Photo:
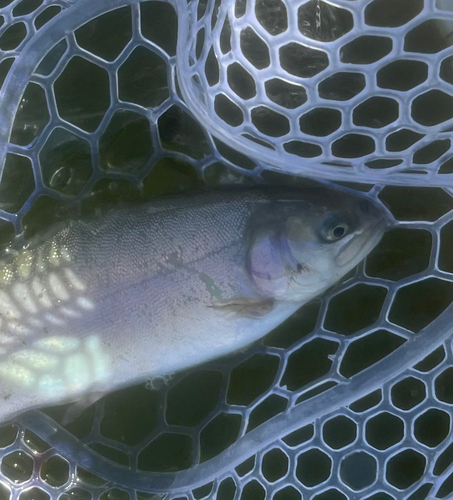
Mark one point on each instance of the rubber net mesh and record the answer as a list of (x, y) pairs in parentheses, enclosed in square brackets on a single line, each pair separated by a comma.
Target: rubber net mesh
[(117, 100)]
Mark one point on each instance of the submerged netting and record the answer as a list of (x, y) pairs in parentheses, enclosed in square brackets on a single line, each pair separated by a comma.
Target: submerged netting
[(323, 88), (116, 100)]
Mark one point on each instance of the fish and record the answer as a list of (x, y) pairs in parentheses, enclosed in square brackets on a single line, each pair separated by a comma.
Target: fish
[(153, 289)]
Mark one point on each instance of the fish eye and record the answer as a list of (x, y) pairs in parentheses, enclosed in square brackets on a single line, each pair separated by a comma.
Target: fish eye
[(333, 228), (338, 231)]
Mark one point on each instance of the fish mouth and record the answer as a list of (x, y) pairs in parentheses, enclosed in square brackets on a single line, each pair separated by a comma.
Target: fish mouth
[(345, 256)]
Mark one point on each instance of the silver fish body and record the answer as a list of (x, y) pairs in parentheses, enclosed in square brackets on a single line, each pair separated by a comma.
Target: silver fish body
[(150, 290)]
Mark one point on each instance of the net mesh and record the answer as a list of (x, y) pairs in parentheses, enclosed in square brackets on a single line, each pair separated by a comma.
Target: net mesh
[(337, 89), (352, 397)]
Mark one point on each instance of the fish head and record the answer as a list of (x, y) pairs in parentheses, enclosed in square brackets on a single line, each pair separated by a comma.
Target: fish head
[(301, 244)]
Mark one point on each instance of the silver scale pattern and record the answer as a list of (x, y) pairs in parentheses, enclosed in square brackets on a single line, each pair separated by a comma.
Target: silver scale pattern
[(361, 427)]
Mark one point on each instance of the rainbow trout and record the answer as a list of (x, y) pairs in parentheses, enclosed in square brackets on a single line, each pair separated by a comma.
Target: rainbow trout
[(150, 290)]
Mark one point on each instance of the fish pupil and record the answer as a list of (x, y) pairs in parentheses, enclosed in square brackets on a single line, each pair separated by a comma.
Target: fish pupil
[(339, 231)]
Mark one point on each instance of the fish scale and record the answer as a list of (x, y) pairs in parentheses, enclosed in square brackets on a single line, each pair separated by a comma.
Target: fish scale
[(148, 290)]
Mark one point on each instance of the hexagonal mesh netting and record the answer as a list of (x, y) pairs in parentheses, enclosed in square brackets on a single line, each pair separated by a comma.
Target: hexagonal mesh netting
[(344, 90), (351, 398)]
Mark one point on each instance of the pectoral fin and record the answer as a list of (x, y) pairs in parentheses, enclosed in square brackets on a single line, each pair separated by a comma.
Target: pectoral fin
[(247, 307)]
